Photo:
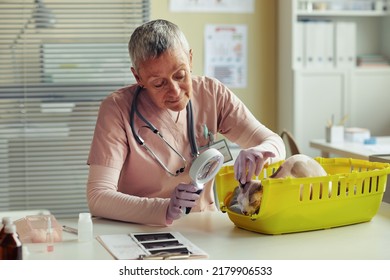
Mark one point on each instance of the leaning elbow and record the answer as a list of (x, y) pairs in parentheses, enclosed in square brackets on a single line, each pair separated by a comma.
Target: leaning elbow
[(92, 200)]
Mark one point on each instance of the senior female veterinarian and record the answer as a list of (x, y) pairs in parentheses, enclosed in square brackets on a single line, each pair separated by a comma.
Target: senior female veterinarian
[(128, 182)]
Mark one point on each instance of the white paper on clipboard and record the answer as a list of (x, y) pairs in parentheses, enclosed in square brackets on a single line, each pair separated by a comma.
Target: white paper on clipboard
[(146, 245)]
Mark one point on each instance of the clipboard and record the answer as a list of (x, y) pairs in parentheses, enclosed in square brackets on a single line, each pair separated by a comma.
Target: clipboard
[(150, 246)]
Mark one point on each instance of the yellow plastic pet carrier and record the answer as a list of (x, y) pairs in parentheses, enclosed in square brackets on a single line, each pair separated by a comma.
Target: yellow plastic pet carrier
[(350, 193)]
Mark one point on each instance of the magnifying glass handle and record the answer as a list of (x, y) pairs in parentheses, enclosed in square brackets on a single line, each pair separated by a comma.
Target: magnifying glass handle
[(188, 209), (204, 168)]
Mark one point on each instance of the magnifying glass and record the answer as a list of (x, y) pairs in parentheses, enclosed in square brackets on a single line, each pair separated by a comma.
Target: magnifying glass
[(204, 168)]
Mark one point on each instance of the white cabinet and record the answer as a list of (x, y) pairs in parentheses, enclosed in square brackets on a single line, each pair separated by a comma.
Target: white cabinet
[(318, 96), (369, 104), (312, 92)]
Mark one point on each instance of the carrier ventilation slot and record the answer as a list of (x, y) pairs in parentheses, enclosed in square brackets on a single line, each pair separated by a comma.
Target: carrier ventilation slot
[(315, 191), (326, 190)]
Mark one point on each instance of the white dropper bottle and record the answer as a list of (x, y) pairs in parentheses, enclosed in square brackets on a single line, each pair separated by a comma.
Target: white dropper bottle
[(85, 227)]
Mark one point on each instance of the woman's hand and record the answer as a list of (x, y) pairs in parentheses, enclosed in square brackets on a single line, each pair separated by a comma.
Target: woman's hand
[(183, 196), (249, 163)]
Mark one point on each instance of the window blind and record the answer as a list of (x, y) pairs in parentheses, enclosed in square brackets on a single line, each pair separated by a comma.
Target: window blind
[(59, 59)]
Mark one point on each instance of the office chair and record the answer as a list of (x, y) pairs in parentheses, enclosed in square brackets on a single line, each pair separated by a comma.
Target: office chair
[(291, 145)]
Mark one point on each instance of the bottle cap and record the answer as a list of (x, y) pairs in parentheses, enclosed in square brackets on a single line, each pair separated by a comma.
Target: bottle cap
[(6, 220), (10, 228), (84, 216)]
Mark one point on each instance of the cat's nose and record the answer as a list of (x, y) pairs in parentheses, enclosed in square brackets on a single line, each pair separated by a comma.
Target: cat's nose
[(245, 213)]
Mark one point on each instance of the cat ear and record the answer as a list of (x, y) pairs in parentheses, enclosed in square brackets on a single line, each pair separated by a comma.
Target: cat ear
[(258, 186)]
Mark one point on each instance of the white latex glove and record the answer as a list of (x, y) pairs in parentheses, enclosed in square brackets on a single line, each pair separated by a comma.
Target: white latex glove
[(250, 162), (183, 196)]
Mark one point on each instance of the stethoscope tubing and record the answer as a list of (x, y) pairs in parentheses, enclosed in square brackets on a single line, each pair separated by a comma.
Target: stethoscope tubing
[(190, 125), (190, 132)]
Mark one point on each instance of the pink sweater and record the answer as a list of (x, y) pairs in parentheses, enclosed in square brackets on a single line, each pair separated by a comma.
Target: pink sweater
[(125, 183)]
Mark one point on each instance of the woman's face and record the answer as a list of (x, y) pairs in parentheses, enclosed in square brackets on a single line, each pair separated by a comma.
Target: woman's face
[(167, 79)]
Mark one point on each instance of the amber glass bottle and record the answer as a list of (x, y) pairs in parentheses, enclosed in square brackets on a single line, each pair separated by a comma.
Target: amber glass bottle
[(10, 246)]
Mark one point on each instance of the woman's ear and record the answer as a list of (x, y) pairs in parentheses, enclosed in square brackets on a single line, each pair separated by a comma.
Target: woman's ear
[(190, 59), (136, 76)]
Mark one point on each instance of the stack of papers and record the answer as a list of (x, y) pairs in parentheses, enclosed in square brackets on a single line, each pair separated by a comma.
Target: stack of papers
[(373, 60)]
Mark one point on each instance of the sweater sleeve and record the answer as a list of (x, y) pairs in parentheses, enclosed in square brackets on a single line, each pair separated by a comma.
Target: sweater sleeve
[(240, 126), (105, 201)]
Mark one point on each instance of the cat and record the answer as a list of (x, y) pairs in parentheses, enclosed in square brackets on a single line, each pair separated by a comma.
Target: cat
[(297, 166), (249, 197)]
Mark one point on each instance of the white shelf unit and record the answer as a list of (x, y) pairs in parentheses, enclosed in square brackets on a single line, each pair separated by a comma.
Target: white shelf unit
[(308, 97)]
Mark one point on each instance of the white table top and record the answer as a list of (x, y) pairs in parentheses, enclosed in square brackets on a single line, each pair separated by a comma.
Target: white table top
[(222, 240), (353, 149)]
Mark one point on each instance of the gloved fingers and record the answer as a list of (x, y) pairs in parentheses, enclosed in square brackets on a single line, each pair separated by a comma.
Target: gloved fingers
[(267, 155), (177, 202), (254, 167), (173, 213), (176, 212), (244, 166), (239, 166), (187, 192), (186, 187), (249, 163), (264, 157), (260, 162), (259, 167), (187, 203), (184, 195), (176, 208)]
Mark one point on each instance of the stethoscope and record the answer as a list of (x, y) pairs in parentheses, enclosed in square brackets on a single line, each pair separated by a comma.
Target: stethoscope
[(190, 130), (204, 166)]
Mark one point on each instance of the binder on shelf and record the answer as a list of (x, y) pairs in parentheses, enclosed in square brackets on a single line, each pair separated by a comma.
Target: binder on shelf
[(351, 46), (328, 55), (310, 45), (345, 44), (298, 50), (318, 42)]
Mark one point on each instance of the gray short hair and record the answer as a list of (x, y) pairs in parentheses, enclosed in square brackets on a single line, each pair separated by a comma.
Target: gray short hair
[(153, 38)]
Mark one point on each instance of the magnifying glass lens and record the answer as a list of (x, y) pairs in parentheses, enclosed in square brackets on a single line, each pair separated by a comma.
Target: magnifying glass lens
[(209, 168), (205, 167)]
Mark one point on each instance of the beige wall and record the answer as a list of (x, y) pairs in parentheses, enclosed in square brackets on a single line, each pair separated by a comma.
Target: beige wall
[(260, 94)]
